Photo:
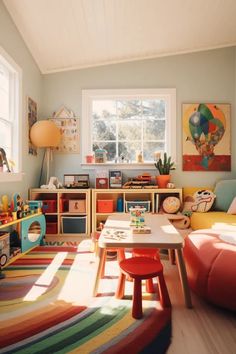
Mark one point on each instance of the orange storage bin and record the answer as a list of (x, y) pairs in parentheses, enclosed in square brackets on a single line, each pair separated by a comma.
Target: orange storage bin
[(105, 206)]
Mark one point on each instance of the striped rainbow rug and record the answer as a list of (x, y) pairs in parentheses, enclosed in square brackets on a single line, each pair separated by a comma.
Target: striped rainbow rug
[(46, 307)]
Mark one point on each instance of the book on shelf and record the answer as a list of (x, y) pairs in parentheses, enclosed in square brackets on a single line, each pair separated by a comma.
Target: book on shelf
[(157, 203)]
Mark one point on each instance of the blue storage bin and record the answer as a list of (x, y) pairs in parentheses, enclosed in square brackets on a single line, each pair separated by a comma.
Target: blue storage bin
[(73, 224)]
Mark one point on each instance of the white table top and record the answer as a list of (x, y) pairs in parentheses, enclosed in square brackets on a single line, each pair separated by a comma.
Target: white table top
[(163, 233)]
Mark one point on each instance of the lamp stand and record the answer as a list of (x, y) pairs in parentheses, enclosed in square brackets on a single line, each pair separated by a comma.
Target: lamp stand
[(48, 157)]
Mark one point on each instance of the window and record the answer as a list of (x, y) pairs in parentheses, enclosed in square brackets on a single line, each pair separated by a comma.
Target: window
[(126, 122), (10, 98)]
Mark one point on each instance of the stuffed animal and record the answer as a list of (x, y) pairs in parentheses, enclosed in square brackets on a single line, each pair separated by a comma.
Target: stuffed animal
[(53, 184)]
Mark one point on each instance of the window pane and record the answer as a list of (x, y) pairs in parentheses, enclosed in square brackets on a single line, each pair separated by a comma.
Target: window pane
[(129, 130), (129, 109), (125, 122), (4, 92), (109, 147), (149, 148), (5, 136), (104, 109), (154, 129), (104, 130), (154, 108), (128, 149)]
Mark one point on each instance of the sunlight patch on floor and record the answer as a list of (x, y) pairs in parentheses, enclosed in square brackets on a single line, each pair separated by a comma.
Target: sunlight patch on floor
[(41, 285)]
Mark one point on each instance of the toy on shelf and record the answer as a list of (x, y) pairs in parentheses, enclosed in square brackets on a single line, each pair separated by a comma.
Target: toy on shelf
[(141, 181), (54, 183), (3, 160), (35, 206), (5, 218), (5, 203)]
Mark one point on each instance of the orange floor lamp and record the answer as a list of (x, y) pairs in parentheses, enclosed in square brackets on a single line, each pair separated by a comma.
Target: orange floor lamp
[(45, 134)]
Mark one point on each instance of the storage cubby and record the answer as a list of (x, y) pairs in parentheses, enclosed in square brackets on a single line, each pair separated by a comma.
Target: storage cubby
[(67, 211), (51, 224), (109, 201)]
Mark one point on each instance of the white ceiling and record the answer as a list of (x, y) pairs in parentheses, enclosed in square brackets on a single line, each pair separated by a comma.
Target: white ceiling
[(72, 34)]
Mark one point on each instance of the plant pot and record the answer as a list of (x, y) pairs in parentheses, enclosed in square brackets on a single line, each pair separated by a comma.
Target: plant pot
[(163, 180)]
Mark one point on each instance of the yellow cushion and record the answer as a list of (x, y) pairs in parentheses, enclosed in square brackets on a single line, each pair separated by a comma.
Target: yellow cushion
[(211, 219)]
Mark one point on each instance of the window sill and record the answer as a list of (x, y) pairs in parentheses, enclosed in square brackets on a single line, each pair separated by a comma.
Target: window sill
[(121, 166), (11, 176)]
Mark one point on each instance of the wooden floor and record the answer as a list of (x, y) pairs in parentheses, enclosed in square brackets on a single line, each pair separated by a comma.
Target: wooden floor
[(205, 329)]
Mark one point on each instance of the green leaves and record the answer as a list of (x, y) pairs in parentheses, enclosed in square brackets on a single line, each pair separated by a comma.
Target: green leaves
[(164, 167)]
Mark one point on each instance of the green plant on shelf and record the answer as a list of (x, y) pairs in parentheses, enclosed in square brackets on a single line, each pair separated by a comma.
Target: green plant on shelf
[(165, 165)]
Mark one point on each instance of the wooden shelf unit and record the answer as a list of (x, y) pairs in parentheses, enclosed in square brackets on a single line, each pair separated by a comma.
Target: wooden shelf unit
[(60, 220), (23, 227), (149, 195)]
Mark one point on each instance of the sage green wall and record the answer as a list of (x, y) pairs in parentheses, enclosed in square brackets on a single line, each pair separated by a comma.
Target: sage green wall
[(207, 76), (12, 42)]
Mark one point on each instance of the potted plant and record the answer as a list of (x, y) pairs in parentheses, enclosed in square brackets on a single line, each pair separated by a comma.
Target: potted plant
[(164, 166)]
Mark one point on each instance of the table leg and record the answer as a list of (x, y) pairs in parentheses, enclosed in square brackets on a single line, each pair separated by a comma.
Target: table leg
[(183, 278), (102, 254)]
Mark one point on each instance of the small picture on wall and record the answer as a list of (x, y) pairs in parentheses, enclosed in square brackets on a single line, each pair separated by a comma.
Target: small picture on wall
[(69, 128), (206, 137), (32, 118)]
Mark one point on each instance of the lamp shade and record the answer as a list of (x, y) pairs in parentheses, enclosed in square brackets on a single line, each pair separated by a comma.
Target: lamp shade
[(45, 133)]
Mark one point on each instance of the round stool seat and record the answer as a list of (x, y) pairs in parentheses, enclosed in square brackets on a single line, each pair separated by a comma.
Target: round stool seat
[(141, 267)]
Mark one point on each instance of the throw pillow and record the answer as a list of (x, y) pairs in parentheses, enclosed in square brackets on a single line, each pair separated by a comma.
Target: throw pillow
[(171, 205), (201, 201), (232, 207), (225, 192)]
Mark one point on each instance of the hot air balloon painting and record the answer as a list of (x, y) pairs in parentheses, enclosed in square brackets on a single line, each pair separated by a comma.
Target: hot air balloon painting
[(206, 137)]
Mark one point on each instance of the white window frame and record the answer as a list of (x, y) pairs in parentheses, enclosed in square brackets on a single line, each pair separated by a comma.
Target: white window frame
[(169, 95), (16, 114)]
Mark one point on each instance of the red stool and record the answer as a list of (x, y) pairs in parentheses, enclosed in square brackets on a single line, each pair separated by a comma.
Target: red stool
[(147, 252), (142, 268)]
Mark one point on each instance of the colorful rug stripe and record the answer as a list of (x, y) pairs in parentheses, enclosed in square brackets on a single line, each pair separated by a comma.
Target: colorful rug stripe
[(46, 307)]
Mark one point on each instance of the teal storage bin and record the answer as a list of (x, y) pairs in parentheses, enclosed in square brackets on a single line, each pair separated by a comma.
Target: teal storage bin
[(73, 224)]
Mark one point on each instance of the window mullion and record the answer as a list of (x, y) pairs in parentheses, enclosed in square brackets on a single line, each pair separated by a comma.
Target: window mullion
[(117, 135)]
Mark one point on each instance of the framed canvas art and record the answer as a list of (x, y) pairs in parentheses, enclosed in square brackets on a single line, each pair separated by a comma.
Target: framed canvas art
[(32, 118), (206, 137)]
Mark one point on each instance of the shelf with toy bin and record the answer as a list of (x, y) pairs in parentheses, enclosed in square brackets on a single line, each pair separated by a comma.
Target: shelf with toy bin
[(67, 212), (109, 201), (139, 198), (104, 203), (22, 228)]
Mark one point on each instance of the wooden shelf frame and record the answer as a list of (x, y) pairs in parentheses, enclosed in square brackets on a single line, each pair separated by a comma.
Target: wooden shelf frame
[(64, 194)]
